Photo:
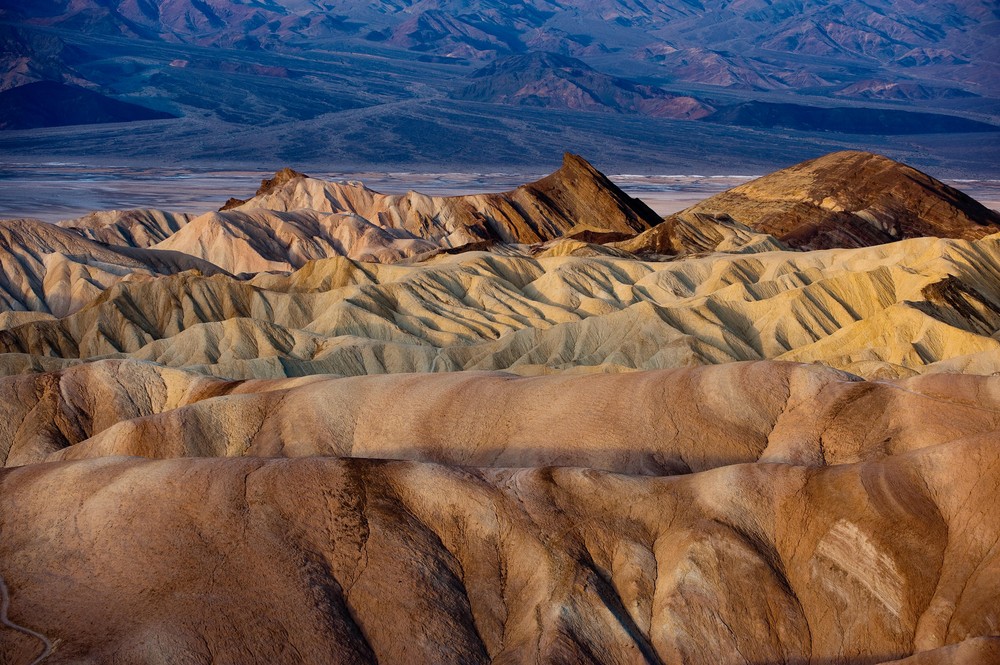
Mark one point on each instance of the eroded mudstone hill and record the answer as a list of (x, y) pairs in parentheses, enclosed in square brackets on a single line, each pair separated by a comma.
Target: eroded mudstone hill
[(50, 270), (851, 199), (328, 560), (920, 305), (350, 494), (129, 228), (660, 422), (294, 219), (576, 195)]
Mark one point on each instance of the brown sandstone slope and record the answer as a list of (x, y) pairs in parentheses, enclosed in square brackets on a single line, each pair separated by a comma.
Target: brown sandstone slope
[(325, 560), (851, 199), (47, 411), (981, 650), (576, 195), (45, 268), (668, 421)]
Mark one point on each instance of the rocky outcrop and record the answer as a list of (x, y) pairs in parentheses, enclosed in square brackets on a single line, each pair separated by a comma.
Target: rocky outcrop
[(852, 199), (267, 185), (575, 195)]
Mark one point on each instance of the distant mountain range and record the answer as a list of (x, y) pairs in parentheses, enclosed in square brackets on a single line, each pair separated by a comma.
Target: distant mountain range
[(51, 104), (760, 43), (378, 73)]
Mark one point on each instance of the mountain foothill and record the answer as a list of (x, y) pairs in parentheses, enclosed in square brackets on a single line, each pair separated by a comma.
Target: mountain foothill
[(477, 85)]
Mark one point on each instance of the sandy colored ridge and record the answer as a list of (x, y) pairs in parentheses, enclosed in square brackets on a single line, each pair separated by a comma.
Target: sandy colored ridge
[(46, 270), (49, 270), (258, 240), (294, 219), (658, 422), (128, 228), (576, 195), (326, 560), (702, 287), (919, 305)]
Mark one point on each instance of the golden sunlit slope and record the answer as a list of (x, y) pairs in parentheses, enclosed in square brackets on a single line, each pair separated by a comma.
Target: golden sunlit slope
[(328, 560), (659, 422), (890, 310)]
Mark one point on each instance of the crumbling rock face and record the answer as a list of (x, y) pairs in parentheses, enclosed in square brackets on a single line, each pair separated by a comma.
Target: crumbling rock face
[(267, 185)]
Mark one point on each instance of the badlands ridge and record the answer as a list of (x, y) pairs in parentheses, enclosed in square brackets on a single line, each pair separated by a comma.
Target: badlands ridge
[(536, 426)]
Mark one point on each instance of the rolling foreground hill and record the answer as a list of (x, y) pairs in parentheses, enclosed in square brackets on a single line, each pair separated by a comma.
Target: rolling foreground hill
[(651, 423), (543, 426), (327, 560)]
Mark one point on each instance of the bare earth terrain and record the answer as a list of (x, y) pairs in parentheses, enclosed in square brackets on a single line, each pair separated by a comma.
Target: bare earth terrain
[(560, 419), (322, 341)]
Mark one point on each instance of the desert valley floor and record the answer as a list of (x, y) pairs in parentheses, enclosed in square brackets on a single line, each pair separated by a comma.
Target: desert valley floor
[(329, 425)]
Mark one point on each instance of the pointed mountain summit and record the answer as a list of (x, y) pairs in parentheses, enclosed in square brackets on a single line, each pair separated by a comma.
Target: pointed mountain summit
[(851, 199), (267, 185), (587, 198), (576, 196)]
